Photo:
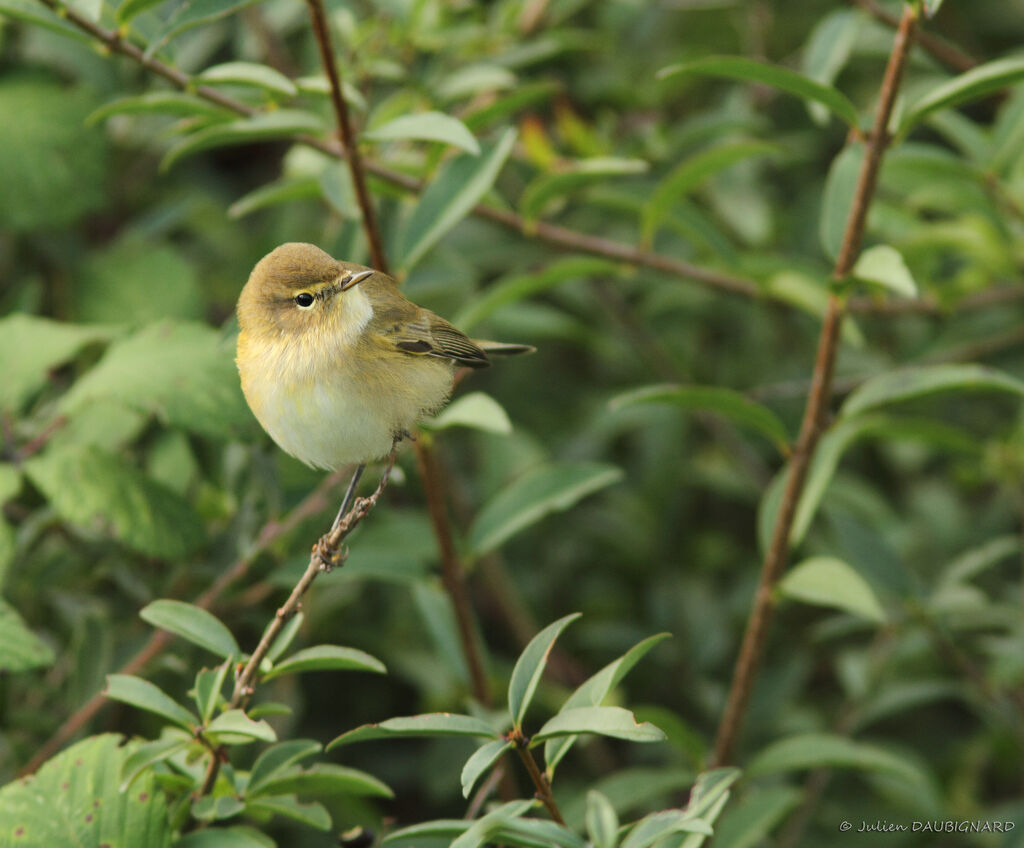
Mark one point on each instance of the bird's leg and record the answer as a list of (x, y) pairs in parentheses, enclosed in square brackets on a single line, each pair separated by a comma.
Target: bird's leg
[(350, 494)]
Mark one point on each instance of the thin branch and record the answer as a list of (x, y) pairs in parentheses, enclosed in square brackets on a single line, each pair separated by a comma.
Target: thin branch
[(540, 781), (942, 50), (312, 505), (812, 425)]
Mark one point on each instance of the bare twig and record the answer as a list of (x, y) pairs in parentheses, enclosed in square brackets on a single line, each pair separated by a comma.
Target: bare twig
[(813, 422), (540, 781)]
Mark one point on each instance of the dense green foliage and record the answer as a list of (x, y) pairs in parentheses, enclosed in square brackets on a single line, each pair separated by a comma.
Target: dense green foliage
[(631, 470)]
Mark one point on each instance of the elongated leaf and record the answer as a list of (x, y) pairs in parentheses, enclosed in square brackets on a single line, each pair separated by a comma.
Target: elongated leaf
[(237, 723), (132, 8), (160, 103), (970, 85), (827, 50), (100, 492), (524, 94), (280, 191), (690, 173), (178, 371), (487, 826), (827, 750), (285, 636), (265, 126), (477, 410), (327, 658), (278, 759), (732, 405), (20, 648), (323, 779), (225, 837), (148, 753), (75, 800), (192, 13), (830, 582), (747, 823), (737, 67), (312, 813), (551, 488), (472, 79), (34, 13), (518, 286), (840, 186), (604, 721), (884, 266), (428, 724), (530, 667), (601, 821), (908, 383), (458, 186), (427, 126), (193, 624), (146, 696), (250, 73), (480, 762), (207, 689), (547, 187)]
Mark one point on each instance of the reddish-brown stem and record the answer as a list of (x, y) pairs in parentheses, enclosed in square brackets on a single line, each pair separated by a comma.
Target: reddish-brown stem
[(452, 573), (811, 427), (540, 781)]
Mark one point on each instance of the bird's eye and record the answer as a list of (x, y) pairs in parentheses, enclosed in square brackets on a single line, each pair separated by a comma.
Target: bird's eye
[(304, 300)]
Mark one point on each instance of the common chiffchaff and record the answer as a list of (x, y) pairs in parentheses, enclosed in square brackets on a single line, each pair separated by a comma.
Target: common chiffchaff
[(335, 363)]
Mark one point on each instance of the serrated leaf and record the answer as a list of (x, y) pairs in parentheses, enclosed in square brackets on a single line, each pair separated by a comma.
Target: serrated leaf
[(837, 199), (548, 489), (278, 759), (323, 779), (427, 126), (147, 696), (191, 14), (908, 383), (690, 173), (75, 799), (970, 85), (884, 266), (480, 762), (237, 723), (601, 821), (603, 721), (547, 187), (458, 186), (427, 724), (193, 624), (749, 70), (726, 402), (529, 668), (280, 191), (830, 582), (20, 648), (180, 372), (178, 103), (312, 813), (250, 73), (327, 658), (263, 126), (97, 491), (476, 410)]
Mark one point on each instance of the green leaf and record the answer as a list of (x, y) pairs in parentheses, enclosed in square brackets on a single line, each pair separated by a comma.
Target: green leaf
[(827, 51), (208, 686), (488, 826), (827, 750), (518, 286), (837, 200), (180, 372), (530, 667), (190, 14), (148, 753), (284, 190), (131, 8), (547, 187), (908, 383), (146, 696), (601, 821), (263, 126), (456, 189), (225, 837), (476, 410), (427, 126), (31, 346), (100, 492), (34, 13), (161, 103), (749, 822), (278, 759), (428, 724), (193, 624), (524, 94), (830, 582), (884, 266), (236, 723), (726, 402), (20, 648), (210, 808), (312, 813), (322, 779), (472, 79), (548, 489), (970, 85), (604, 721), (736, 67), (480, 762), (250, 73), (711, 788), (690, 173), (655, 827), (74, 799), (327, 658), (285, 636)]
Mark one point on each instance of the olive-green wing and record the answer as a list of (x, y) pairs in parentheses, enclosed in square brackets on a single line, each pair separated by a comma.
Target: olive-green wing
[(426, 334)]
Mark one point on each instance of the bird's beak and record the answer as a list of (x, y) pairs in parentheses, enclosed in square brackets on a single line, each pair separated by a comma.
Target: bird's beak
[(354, 279)]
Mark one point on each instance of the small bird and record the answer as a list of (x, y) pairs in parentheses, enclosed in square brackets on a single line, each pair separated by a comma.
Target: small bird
[(335, 363)]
